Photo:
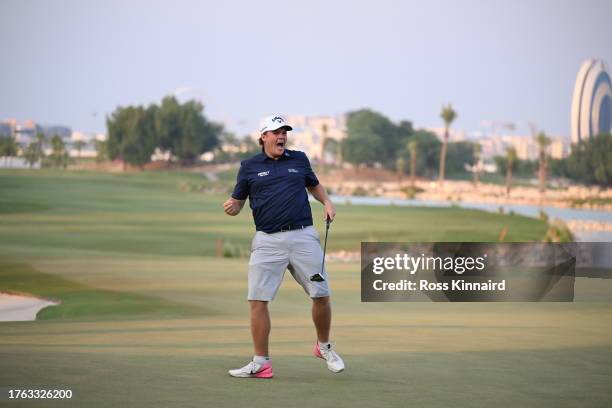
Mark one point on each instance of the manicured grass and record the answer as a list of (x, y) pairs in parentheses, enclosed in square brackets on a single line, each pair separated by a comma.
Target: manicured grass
[(432, 355), (79, 301), (147, 213), (517, 378), (151, 318)]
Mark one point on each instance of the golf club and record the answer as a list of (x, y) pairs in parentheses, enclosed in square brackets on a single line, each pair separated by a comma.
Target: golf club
[(319, 276)]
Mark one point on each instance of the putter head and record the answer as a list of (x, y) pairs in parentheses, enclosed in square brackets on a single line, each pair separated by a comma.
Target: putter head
[(317, 278)]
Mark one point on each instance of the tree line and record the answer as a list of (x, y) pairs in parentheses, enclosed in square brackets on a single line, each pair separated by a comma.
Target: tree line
[(590, 162), (34, 152), (134, 133), (181, 130), (373, 139)]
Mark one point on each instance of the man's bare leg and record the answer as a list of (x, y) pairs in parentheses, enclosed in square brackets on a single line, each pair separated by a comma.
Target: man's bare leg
[(260, 326), (321, 316), (260, 366)]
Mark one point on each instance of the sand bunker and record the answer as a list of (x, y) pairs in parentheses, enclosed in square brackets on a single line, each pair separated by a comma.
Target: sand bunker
[(16, 308)]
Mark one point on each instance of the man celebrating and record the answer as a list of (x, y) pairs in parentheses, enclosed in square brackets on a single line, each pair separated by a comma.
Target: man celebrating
[(275, 182)]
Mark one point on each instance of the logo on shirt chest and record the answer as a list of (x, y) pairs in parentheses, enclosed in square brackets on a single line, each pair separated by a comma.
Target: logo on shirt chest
[(263, 173), (292, 171)]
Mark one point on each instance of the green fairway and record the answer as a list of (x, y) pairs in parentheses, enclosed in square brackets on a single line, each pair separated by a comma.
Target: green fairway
[(49, 211), (150, 317)]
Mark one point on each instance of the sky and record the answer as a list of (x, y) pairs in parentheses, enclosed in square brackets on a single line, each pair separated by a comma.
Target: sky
[(74, 62)]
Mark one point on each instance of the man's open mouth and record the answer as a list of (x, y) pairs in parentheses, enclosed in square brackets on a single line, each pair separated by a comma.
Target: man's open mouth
[(280, 144)]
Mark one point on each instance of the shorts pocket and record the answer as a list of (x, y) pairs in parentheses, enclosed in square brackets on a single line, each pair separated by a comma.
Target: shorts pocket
[(315, 233), (255, 241)]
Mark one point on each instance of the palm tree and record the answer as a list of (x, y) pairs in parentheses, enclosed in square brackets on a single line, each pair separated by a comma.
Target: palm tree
[(323, 142), (35, 152), (59, 154), (399, 168), (413, 147), (510, 159), (101, 150), (78, 145), (476, 168), (543, 142), (41, 140), (448, 115), (8, 146)]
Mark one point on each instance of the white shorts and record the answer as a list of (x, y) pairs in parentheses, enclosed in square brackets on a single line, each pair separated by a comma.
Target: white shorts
[(298, 250)]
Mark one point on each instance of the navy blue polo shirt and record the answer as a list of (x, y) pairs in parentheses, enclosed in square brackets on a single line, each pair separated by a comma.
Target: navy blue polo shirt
[(276, 189)]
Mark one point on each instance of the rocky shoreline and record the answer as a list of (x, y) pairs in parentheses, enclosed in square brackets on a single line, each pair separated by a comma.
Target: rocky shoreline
[(580, 197), (384, 184)]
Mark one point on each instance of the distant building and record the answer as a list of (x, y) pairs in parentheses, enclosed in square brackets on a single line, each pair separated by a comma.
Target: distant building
[(6, 130), (55, 130), (592, 101), (25, 131), (78, 144), (17, 163), (526, 147), (453, 134), (82, 144), (559, 148)]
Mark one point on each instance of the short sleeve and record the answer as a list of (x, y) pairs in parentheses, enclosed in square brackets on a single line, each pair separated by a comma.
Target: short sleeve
[(311, 178), (241, 190)]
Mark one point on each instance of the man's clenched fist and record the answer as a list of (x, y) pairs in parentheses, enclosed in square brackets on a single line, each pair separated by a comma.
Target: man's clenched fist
[(233, 206)]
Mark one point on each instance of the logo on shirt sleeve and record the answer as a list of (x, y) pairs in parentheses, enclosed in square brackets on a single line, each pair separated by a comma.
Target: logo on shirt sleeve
[(263, 173)]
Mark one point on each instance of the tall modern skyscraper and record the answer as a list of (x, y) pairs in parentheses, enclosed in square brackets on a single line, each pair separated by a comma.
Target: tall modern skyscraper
[(592, 101)]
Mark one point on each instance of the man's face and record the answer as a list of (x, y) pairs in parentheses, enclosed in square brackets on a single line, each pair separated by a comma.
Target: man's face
[(275, 141)]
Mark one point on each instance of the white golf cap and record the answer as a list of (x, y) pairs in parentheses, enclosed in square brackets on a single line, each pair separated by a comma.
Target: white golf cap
[(273, 122)]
